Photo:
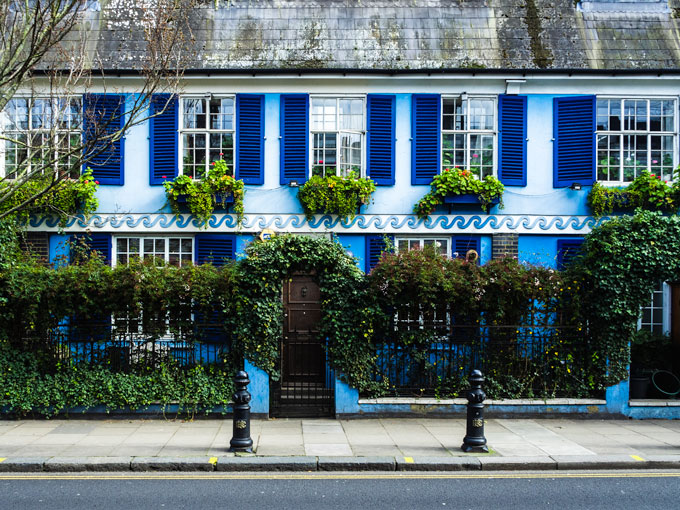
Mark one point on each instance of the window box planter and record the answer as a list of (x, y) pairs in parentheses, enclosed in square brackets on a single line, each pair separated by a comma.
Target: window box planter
[(220, 198), (460, 187), (217, 190), (334, 194), (468, 198)]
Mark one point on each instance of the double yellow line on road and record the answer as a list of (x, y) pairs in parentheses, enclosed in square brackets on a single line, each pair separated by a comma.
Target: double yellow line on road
[(333, 476)]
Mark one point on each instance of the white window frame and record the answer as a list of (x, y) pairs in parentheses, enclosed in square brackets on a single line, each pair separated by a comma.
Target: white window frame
[(166, 238), (207, 131), (622, 133), (30, 130), (338, 131), (114, 262), (665, 292), (470, 132), (421, 240)]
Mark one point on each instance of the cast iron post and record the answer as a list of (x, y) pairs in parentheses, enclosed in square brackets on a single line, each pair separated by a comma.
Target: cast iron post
[(474, 439), (241, 441)]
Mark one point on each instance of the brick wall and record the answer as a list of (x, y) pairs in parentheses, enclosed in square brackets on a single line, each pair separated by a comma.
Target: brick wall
[(505, 245)]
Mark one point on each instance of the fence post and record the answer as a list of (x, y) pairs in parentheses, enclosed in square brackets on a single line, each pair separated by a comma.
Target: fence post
[(241, 440), (474, 439)]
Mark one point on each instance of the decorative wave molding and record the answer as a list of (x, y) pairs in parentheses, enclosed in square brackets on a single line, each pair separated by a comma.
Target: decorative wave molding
[(378, 223)]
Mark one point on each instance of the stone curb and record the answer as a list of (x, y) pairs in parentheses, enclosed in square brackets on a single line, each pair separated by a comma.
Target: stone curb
[(306, 464), (356, 463), (253, 463)]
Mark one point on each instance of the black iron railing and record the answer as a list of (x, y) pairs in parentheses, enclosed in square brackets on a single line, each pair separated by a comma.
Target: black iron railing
[(519, 360)]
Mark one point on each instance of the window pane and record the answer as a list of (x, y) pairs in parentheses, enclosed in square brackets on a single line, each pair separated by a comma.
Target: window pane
[(603, 114), (186, 245), (193, 161), (481, 113), (194, 113), (222, 113), (608, 157), (121, 245), (481, 155), (133, 245)]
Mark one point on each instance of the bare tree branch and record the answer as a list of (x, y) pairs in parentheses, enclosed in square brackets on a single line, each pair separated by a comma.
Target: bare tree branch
[(48, 54)]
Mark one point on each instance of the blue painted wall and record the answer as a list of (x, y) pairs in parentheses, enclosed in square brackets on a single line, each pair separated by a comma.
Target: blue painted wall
[(538, 197)]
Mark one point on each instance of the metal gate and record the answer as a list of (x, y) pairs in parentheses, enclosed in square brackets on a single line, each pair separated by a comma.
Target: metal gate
[(306, 387)]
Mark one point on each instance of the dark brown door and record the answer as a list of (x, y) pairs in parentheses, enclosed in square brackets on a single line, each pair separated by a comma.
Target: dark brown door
[(302, 356), (305, 388)]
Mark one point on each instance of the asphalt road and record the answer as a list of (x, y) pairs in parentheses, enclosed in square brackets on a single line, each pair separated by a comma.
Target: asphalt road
[(633, 490)]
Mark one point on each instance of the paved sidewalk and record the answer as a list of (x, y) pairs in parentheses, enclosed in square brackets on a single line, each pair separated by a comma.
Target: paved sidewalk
[(310, 444)]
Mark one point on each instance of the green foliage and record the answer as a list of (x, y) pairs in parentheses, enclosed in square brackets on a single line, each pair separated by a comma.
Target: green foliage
[(10, 253), (334, 194), (64, 198), (459, 182), (33, 386), (202, 196), (623, 260), (346, 318), (650, 351), (647, 191), (418, 292), (35, 299)]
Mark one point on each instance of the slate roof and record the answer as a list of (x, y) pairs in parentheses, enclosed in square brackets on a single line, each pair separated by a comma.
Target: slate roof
[(401, 35)]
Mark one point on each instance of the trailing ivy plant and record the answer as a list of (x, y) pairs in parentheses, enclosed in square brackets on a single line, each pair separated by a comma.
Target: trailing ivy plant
[(63, 199), (647, 191), (335, 194), (34, 385), (346, 312), (623, 260), (202, 196), (455, 181)]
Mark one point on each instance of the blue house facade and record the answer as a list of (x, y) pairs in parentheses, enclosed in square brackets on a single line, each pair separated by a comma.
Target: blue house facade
[(547, 98)]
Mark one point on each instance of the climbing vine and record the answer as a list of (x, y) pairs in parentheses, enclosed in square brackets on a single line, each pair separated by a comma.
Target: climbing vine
[(622, 262), (346, 317)]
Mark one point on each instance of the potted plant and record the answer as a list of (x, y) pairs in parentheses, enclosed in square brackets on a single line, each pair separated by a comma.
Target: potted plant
[(647, 191), (217, 189), (334, 194), (457, 186)]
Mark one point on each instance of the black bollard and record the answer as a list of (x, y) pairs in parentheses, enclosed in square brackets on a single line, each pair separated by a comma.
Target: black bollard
[(474, 439), (241, 441)]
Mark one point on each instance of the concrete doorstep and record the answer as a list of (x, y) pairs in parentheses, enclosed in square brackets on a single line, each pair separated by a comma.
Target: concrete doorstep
[(309, 463)]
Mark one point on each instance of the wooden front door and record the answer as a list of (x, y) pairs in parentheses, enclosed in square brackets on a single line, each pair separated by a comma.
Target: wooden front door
[(304, 389)]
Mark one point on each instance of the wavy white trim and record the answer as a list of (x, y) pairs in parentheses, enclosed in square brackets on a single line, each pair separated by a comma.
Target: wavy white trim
[(364, 224)]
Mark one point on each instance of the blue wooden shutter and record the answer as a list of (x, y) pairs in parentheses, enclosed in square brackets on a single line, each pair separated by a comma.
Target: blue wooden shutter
[(460, 245), (215, 249), (375, 246), (250, 138), (426, 135), (512, 140), (567, 250), (380, 139), (104, 114), (97, 242), (294, 138), (574, 140), (164, 109)]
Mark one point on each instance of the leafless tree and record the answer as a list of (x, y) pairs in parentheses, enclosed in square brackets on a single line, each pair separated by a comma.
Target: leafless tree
[(53, 53)]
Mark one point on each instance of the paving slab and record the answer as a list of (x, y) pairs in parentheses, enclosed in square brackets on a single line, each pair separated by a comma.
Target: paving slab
[(438, 464), (267, 464), (356, 464)]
